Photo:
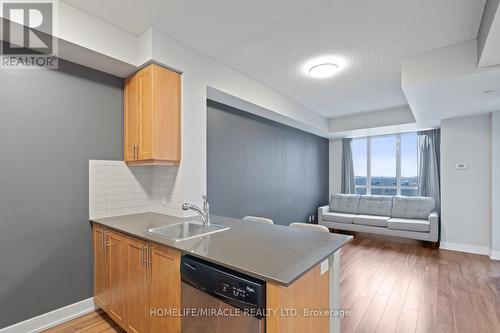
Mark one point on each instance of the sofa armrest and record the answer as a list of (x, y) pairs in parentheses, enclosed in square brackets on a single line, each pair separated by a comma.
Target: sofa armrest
[(434, 226), (321, 211)]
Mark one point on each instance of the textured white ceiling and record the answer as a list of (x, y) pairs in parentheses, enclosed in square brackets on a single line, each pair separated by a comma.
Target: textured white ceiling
[(269, 40)]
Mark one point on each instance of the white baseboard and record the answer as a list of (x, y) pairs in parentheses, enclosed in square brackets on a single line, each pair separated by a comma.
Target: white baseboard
[(53, 318), (494, 255), (465, 248)]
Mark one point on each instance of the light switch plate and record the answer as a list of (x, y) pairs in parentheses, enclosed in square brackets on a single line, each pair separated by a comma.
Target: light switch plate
[(324, 267)]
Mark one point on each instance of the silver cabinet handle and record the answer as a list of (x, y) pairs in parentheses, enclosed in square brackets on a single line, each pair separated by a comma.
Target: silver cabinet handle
[(150, 254), (102, 238), (142, 254), (136, 152), (104, 235), (145, 258)]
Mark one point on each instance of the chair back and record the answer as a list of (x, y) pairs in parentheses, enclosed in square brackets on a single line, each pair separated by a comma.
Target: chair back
[(256, 219), (308, 226)]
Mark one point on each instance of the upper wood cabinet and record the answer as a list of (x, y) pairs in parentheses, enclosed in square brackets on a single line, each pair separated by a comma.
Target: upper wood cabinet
[(152, 134)]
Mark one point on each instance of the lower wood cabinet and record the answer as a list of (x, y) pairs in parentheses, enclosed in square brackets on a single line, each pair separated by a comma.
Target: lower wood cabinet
[(136, 281), (101, 280), (137, 286), (166, 284), (310, 292), (115, 250)]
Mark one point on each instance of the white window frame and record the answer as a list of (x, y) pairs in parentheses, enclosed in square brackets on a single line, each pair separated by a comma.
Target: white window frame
[(369, 185)]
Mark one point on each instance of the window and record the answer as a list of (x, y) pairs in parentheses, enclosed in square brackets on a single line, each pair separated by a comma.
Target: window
[(383, 165), (386, 165), (359, 157), (409, 164)]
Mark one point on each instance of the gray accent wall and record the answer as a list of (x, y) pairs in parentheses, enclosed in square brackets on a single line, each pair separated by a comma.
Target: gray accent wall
[(259, 167), (51, 123)]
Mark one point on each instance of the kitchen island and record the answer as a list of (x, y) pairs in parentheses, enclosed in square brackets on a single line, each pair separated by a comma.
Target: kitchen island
[(300, 268)]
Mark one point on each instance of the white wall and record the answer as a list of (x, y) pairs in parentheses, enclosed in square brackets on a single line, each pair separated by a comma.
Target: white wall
[(488, 35), (466, 194), (495, 185), (335, 166), (199, 73), (374, 119), (86, 31)]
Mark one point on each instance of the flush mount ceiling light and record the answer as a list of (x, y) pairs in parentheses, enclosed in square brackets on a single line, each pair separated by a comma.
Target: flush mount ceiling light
[(323, 70), (324, 67)]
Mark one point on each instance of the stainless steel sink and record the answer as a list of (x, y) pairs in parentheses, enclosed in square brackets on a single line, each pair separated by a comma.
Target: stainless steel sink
[(186, 230)]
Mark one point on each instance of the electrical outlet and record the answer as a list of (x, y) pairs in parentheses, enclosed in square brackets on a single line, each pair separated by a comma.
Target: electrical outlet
[(324, 267), (164, 199)]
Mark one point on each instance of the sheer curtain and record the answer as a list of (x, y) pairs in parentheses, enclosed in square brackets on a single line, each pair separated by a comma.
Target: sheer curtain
[(429, 159), (347, 167)]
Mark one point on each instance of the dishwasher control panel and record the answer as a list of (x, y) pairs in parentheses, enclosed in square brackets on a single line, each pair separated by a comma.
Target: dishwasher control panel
[(234, 288), (238, 290)]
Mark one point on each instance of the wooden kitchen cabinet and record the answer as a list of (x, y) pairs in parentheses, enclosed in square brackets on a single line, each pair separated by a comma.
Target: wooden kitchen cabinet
[(166, 284), (115, 250), (101, 281), (152, 119), (310, 292), (137, 286), (133, 277)]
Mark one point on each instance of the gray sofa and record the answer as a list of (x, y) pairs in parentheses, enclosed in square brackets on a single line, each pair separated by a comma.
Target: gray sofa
[(408, 217)]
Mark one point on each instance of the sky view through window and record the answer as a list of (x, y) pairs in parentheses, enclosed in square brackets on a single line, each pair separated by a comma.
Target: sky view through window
[(383, 156)]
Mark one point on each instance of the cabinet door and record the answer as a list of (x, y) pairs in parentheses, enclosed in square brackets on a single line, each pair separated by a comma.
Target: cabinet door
[(131, 118), (153, 117), (116, 247), (167, 115), (137, 286), (145, 78), (101, 282), (165, 289)]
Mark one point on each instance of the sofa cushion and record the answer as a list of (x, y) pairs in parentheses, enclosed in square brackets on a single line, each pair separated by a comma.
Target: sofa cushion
[(344, 203), (375, 205), (371, 220), (412, 207), (409, 224), (338, 217)]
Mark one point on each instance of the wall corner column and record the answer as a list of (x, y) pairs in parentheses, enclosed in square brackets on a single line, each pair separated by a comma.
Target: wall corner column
[(495, 186)]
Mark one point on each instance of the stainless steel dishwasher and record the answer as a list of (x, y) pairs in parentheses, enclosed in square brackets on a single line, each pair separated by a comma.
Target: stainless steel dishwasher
[(218, 300)]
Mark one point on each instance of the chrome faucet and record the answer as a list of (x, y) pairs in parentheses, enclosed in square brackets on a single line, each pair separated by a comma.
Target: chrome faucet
[(204, 213)]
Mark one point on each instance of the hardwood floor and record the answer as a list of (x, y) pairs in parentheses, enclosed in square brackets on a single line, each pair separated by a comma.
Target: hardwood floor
[(396, 287), (94, 322)]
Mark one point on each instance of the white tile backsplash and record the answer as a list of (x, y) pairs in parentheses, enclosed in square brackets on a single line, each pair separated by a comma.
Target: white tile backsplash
[(116, 189)]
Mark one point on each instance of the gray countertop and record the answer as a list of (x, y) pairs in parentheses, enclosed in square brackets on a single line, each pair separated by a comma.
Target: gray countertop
[(268, 252)]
